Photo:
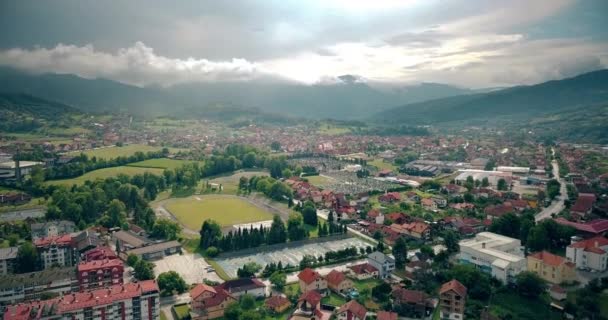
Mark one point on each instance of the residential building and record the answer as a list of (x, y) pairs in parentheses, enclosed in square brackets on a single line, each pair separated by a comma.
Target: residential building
[(386, 315), (311, 280), (157, 250), (277, 304), (338, 282), (239, 287), (418, 302), (589, 254), (552, 268), (131, 301), (309, 307), (52, 229), (452, 300), (56, 251), (500, 256), (382, 262), (8, 258), (351, 310), (209, 302), (588, 229), (28, 286), (100, 273), (364, 271)]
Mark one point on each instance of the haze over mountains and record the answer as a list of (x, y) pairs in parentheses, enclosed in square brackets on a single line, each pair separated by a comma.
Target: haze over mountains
[(347, 99)]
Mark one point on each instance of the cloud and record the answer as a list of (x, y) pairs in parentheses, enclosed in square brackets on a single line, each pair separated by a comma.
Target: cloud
[(137, 65)]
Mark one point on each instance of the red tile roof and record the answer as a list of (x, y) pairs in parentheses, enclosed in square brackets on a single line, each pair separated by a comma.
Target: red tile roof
[(410, 296), (218, 294), (354, 308), (596, 226), (454, 285), (63, 240), (592, 245), (99, 264), (276, 302), (363, 268), (312, 297), (308, 275), (386, 315), (548, 258), (335, 277), (200, 289), (584, 203)]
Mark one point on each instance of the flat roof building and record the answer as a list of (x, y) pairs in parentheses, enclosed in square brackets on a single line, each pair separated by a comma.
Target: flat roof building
[(500, 256)]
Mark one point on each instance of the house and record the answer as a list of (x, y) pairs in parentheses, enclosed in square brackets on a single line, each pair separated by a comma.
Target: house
[(413, 268), (583, 205), (364, 271), (418, 302), (131, 301), (497, 211), (51, 229), (417, 230), (440, 202), (338, 282), (309, 307), (277, 304), (454, 189), (386, 315), (428, 204), (452, 300), (397, 217), (311, 280), (8, 259), (588, 229), (412, 196), (589, 254), (382, 262), (209, 302), (239, 287), (375, 216), (498, 255), (552, 268), (390, 197), (351, 310)]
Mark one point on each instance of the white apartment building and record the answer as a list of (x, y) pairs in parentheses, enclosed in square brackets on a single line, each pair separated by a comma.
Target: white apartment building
[(500, 256), (589, 254), (132, 301), (384, 263)]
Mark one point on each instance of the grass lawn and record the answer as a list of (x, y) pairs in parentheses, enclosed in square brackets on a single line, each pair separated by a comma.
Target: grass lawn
[(360, 285), (34, 203), (230, 182), (334, 300), (105, 173), (291, 289), (162, 163), (115, 152), (333, 131), (182, 311), (380, 164), (604, 304), (163, 316), (226, 211), (318, 181)]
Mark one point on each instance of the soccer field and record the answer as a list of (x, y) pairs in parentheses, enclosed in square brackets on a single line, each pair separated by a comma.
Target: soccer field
[(105, 173), (225, 210)]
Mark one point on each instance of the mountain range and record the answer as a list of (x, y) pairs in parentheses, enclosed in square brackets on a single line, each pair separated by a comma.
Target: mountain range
[(346, 99)]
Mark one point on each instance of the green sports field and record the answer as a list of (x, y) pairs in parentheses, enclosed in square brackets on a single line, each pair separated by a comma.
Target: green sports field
[(105, 173), (161, 163), (225, 210)]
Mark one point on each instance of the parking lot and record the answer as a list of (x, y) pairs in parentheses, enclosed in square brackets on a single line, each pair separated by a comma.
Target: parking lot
[(190, 266), (290, 255)]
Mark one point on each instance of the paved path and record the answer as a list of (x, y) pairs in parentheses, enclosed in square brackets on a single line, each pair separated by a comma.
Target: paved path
[(558, 204)]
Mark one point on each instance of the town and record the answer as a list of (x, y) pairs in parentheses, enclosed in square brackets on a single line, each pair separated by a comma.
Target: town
[(299, 223)]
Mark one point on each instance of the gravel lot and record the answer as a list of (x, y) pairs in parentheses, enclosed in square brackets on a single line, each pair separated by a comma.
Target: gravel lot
[(190, 266)]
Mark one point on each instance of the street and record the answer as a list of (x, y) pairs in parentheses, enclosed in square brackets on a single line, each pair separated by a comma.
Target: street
[(558, 204)]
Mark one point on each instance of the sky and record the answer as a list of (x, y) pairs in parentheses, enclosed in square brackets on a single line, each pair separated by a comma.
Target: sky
[(467, 43)]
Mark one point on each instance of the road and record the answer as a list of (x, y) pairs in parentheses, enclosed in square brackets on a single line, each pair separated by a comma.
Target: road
[(558, 204), (20, 215)]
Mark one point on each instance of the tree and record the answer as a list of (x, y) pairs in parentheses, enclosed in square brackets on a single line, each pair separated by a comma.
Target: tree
[(278, 280), (450, 239), (116, 215), (400, 253), (248, 270), (552, 188), (167, 229), (295, 227), (502, 184), (27, 258), (309, 214), (275, 146), (170, 282), (529, 284), (212, 252), (232, 311), (210, 233), (485, 182), (247, 302), (132, 260), (144, 270), (243, 183), (277, 232), (382, 291), (286, 173)]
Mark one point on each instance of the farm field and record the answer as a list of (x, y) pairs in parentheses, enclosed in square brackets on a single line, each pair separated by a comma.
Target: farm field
[(225, 210), (115, 152), (105, 173), (161, 163), (318, 181)]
